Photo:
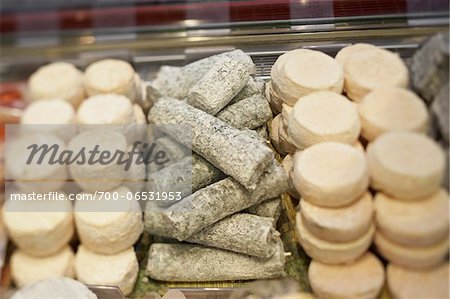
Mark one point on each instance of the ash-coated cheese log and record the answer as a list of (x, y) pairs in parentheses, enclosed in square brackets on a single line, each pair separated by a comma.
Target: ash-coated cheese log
[(27, 269), (345, 53), (371, 69), (63, 286), (173, 150), (241, 232), (209, 264), (323, 116), (250, 113), (42, 229), (269, 208), (211, 204), (332, 252), (362, 279), (342, 224), (229, 149), (112, 76), (120, 269), (297, 73), (407, 283), (58, 80), (108, 227), (330, 174), (418, 257), (254, 86), (406, 165), (390, 109), (262, 132), (413, 223), (219, 85), (186, 176)]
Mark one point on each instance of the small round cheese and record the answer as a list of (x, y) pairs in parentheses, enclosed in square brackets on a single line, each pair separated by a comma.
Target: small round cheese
[(274, 101), (110, 76), (106, 109), (286, 143), (330, 174), (406, 283), (40, 228), (285, 111), (58, 80), (412, 256), (416, 223), (323, 116), (300, 72), (372, 69), (27, 269), (389, 109), (109, 227), (362, 279), (332, 252), (345, 53), (55, 288), (297, 296), (274, 133), (288, 163), (174, 294), (406, 165), (120, 269), (343, 224)]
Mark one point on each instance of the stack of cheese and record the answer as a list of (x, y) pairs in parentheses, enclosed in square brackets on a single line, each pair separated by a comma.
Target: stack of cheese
[(107, 234)]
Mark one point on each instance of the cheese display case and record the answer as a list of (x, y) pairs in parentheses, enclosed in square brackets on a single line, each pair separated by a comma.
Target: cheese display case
[(307, 142)]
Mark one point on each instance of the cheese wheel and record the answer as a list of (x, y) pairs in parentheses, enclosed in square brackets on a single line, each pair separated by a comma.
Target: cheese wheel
[(406, 283), (120, 269), (288, 163), (106, 109), (411, 256), (27, 269), (174, 294), (40, 228), (274, 133), (285, 111), (274, 101), (415, 223), (111, 76), (29, 172), (286, 143), (55, 288), (330, 174), (343, 224), (297, 296), (58, 80), (300, 72), (108, 227), (323, 116), (389, 109), (372, 69), (55, 117), (345, 53), (406, 165), (96, 176), (362, 279), (332, 252)]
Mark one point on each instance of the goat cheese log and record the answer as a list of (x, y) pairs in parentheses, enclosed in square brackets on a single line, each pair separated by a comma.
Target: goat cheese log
[(406, 165), (55, 288), (42, 228), (250, 113), (406, 283), (120, 269), (58, 80), (234, 152), (243, 233), (112, 76), (255, 86), (270, 208), (389, 109), (109, 226), (219, 85), (201, 263), (27, 269), (211, 204), (186, 176), (362, 279)]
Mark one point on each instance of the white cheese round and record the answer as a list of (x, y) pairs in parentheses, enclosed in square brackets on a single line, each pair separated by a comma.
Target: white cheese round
[(345, 53)]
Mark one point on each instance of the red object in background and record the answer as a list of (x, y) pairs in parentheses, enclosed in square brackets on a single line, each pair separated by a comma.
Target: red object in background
[(11, 100)]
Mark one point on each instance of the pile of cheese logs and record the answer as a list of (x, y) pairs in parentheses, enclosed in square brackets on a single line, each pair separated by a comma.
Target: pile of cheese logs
[(319, 129), (61, 95), (225, 228)]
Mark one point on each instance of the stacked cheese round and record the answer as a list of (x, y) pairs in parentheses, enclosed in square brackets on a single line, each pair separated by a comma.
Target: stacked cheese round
[(58, 80)]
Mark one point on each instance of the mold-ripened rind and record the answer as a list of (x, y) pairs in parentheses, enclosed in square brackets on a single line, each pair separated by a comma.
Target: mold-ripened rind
[(250, 113), (268, 208), (200, 263), (241, 232), (254, 86), (233, 151)]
